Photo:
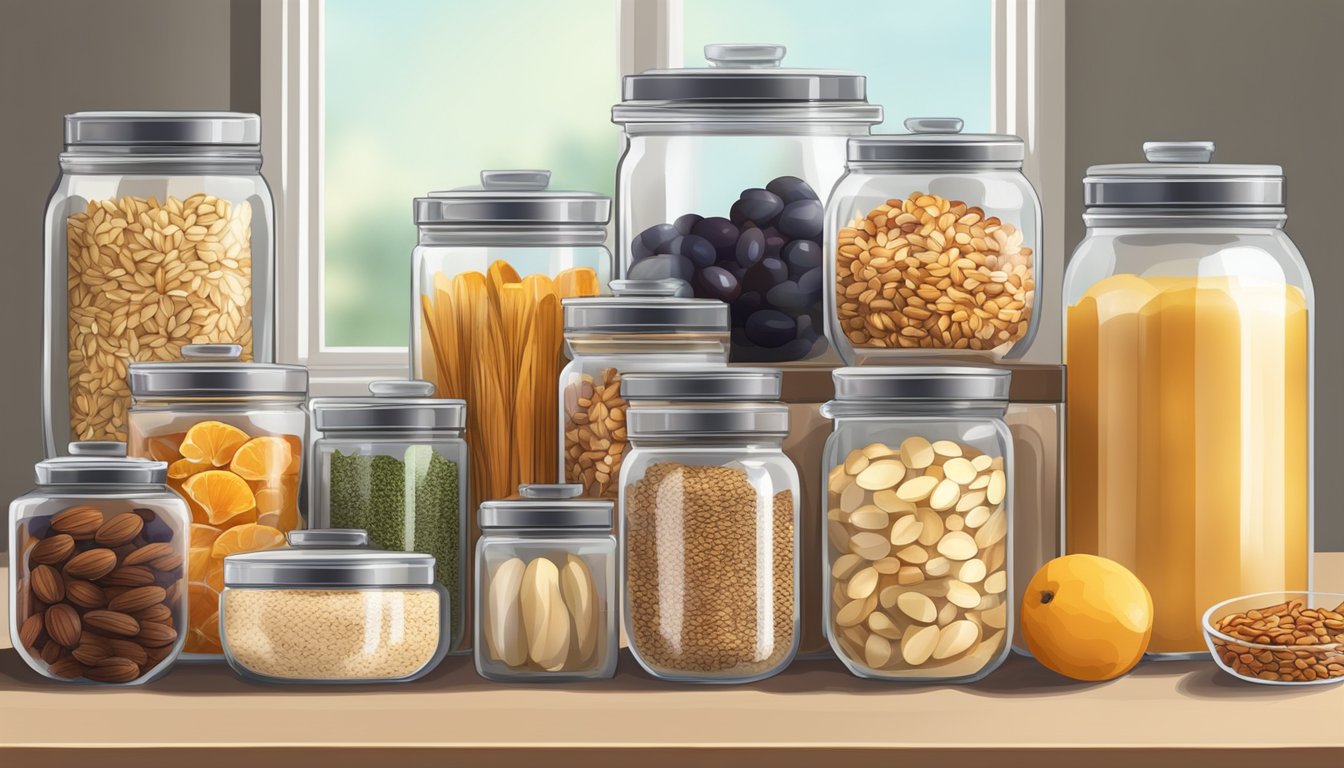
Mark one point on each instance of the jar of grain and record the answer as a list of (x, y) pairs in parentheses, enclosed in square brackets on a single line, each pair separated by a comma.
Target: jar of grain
[(98, 568), (329, 609), (159, 233), (546, 587), (395, 465), (234, 437), (933, 246), (646, 324), (918, 535), (709, 526)]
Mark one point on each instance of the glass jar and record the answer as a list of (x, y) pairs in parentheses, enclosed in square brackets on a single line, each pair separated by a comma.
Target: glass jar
[(709, 526), (546, 587), (395, 465), (97, 568), (918, 534), (1189, 343), (647, 324), (160, 232), (328, 609), (932, 247), (722, 185), (233, 435), (490, 269)]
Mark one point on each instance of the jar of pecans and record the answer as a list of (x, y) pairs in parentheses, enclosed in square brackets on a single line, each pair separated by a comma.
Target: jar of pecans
[(709, 518)]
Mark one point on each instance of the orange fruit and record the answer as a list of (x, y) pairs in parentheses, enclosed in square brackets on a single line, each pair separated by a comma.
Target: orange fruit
[(163, 448), (247, 538), (262, 458), (296, 454), (203, 619), (198, 562), (203, 535), (221, 494), (269, 501), (214, 574), (248, 517), (184, 468), (212, 441)]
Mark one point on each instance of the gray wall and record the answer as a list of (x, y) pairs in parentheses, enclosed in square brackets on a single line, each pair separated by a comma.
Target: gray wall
[(1261, 80)]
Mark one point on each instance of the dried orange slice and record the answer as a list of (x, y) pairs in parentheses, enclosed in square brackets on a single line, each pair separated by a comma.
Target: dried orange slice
[(203, 619), (203, 536), (262, 458), (247, 538), (198, 563), (296, 454), (164, 447), (246, 518), (184, 468), (221, 494), (212, 441), (214, 574)]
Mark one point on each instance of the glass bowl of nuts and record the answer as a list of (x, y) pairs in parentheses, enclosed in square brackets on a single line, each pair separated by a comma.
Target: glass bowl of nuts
[(1279, 638)]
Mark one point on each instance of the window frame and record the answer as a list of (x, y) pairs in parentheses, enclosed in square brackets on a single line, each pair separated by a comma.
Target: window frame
[(1027, 99)]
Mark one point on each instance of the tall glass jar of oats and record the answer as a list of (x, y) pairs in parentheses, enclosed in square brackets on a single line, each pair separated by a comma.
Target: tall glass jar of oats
[(159, 233)]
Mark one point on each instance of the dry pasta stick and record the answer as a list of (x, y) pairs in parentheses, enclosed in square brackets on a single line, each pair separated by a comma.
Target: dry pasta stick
[(439, 371), (493, 423), (546, 372), (499, 273), (449, 337), (576, 281), (515, 312)]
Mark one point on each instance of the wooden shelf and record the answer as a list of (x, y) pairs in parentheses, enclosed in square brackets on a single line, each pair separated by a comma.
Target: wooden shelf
[(1167, 713)]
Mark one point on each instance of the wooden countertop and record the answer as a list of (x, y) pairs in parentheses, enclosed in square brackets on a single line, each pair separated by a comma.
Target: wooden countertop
[(1164, 713)]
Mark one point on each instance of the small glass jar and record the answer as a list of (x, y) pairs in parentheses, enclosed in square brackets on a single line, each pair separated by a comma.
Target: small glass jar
[(395, 465), (234, 437), (328, 609), (159, 232), (918, 533), (723, 185), (932, 243), (546, 587), (97, 568), (647, 324), (709, 526)]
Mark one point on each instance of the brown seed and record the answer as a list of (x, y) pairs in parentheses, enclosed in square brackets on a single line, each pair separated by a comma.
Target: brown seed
[(128, 649), (149, 553), (129, 576), (53, 550), (63, 624), (68, 668), (155, 635), (85, 594), (112, 622), (119, 530), (30, 631), (113, 670), (47, 584), (168, 563), (77, 521), (137, 599), (91, 564), (158, 614), (89, 653), (51, 652)]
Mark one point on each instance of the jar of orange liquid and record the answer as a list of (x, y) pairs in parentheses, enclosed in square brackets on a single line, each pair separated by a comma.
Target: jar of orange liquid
[(1189, 339)]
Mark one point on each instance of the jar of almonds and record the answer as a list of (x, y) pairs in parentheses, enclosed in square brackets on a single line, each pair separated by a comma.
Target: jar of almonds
[(932, 238), (159, 233), (918, 536)]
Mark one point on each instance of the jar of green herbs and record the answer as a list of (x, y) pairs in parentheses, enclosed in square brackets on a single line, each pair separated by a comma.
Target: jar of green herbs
[(395, 465)]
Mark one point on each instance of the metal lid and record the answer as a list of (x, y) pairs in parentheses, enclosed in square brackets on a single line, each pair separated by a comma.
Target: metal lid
[(100, 462), (723, 384), (395, 406), (337, 557), (707, 421), (213, 370), (645, 306), (924, 383), (742, 78), (236, 129), (512, 197), (937, 141), (547, 506), (1180, 177)]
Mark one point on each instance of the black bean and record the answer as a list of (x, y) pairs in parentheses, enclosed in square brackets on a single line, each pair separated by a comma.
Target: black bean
[(791, 189), (660, 267), (765, 275), (802, 220), (697, 249), (750, 248), (737, 214), (717, 283), (806, 328), (760, 206), (658, 237), (802, 255), (770, 328), (788, 298), (747, 303), (720, 232), (638, 250), (809, 285), (774, 246), (686, 222)]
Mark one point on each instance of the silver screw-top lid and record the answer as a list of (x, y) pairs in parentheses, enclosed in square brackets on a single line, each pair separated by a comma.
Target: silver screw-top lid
[(548, 506), (923, 383), (512, 197), (706, 421), (723, 385), (214, 371), (222, 129), (937, 141), (337, 557), (1178, 178), (645, 307), (100, 462), (394, 406)]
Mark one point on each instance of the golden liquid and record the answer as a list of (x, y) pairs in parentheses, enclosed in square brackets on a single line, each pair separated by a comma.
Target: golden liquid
[(1188, 440)]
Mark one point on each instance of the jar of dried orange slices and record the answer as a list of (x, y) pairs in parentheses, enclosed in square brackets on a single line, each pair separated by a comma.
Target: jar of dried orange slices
[(233, 435)]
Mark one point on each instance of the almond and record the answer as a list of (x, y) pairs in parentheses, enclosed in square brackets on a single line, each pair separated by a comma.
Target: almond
[(90, 653), (91, 564), (137, 599), (55, 550), (129, 649), (67, 668), (171, 562), (111, 622), (114, 669), (30, 631), (155, 635), (157, 614), (85, 594), (148, 553), (119, 530), (51, 652), (62, 623), (129, 576), (78, 521), (47, 584)]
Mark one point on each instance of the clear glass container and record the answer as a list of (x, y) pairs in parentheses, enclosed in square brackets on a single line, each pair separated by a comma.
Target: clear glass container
[(646, 325), (329, 609), (918, 524), (234, 437), (932, 247), (546, 587), (709, 526), (723, 185), (160, 232), (97, 570), (395, 465), (1189, 335)]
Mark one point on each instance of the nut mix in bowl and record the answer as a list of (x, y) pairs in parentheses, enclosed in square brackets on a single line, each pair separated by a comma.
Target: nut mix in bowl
[(1279, 638)]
